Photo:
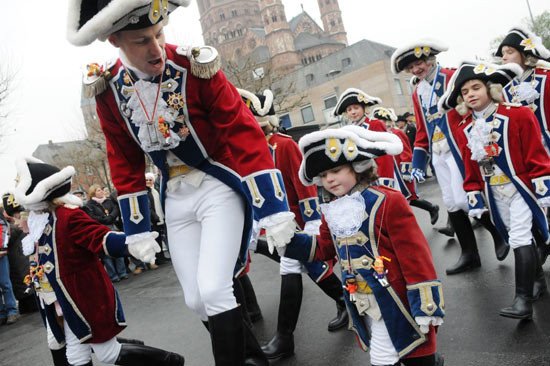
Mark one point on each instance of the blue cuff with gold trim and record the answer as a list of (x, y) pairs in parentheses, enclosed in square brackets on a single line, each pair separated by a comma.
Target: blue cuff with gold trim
[(420, 157), (309, 208), (541, 186), (426, 299), (475, 200), (406, 168), (134, 210), (115, 244), (301, 247), (266, 192)]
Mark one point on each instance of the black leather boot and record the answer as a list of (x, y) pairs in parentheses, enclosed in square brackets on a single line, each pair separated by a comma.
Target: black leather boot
[(332, 286), (427, 206), (263, 249), (59, 357), (254, 356), (501, 247), (539, 288), (447, 230), (282, 344), (522, 307), (129, 340), (252, 307), (227, 335), (140, 355), (88, 364), (469, 258)]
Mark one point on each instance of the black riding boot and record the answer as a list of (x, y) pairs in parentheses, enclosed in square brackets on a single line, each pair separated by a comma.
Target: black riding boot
[(140, 355), (539, 288), (427, 206), (282, 344), (501, 247), (59, 357), (332, 286), (522, 307), (254, 356), (469, 258), (263, 249), (252, 307), (447, 230), (227, 335), (129, 340)]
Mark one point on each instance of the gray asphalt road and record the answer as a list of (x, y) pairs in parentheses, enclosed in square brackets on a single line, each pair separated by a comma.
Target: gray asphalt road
[(473, 333)]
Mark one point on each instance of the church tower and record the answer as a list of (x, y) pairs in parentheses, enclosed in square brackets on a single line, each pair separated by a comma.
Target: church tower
[(278, 37), (225, 22), (332, 20)]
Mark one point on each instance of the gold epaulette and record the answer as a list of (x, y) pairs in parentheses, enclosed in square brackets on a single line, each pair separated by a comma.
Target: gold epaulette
[(205, 60), (96, 78)]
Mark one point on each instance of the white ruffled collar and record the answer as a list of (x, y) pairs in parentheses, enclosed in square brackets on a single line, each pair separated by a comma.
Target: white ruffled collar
[(36, 222), (345, 215)]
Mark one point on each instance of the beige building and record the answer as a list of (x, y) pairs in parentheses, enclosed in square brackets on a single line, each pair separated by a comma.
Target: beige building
[(315, 88)]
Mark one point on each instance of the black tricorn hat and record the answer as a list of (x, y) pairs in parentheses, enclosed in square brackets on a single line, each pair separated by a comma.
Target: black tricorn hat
[(354, 96), (470, 70), (89, 20), (332, 147), (261, 106), (10, 204), (407, 54), (524, 41), (39, 182)]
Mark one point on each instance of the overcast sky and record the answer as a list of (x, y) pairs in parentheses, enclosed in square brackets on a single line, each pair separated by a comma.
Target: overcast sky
[(45, 98)]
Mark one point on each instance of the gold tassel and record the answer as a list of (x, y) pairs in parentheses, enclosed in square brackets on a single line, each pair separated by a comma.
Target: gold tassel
[(205, 70)]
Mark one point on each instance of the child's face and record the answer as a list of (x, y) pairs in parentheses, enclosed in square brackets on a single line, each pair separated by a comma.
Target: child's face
[(339, 180), (510, 54), (475, 95), (355, 112)]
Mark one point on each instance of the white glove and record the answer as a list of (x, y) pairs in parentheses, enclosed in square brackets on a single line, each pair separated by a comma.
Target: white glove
[(424, 322), (407, 177), (418, 174), (312, 227), (143, 246), (279, 235), (254, 233), (544, 202), (477, 212)]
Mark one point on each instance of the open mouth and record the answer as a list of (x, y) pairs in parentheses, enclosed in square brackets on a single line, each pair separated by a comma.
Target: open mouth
[(156, 62)]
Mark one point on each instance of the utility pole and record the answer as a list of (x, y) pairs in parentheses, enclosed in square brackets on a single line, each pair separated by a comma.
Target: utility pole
[(530, 13)]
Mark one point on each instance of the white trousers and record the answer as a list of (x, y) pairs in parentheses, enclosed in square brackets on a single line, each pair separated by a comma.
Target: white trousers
[(81, 353), (516, 216), (204, 226), (382, 351), (450, 181), (290, 266)]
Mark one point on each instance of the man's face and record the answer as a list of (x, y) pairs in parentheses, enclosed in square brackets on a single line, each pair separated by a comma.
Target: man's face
[(355, 112), (419, 68), (144, 48), (400, 124)]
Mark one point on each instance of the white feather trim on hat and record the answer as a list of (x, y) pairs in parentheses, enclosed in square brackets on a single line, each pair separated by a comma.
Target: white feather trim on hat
[(350, 93), (366, 139), (537, 41), (383, 111), (262, 111), (430, 42), (41, 189), (100, 26)]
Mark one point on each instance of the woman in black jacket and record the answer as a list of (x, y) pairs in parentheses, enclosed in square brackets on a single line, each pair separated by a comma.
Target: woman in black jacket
[(105, 211)]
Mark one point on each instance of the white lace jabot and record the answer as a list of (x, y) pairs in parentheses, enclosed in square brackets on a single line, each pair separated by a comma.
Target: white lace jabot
[(345, 215)]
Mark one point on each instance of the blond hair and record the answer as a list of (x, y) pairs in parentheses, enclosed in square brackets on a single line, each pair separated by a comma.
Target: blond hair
[(494, 91), (92, 189)]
